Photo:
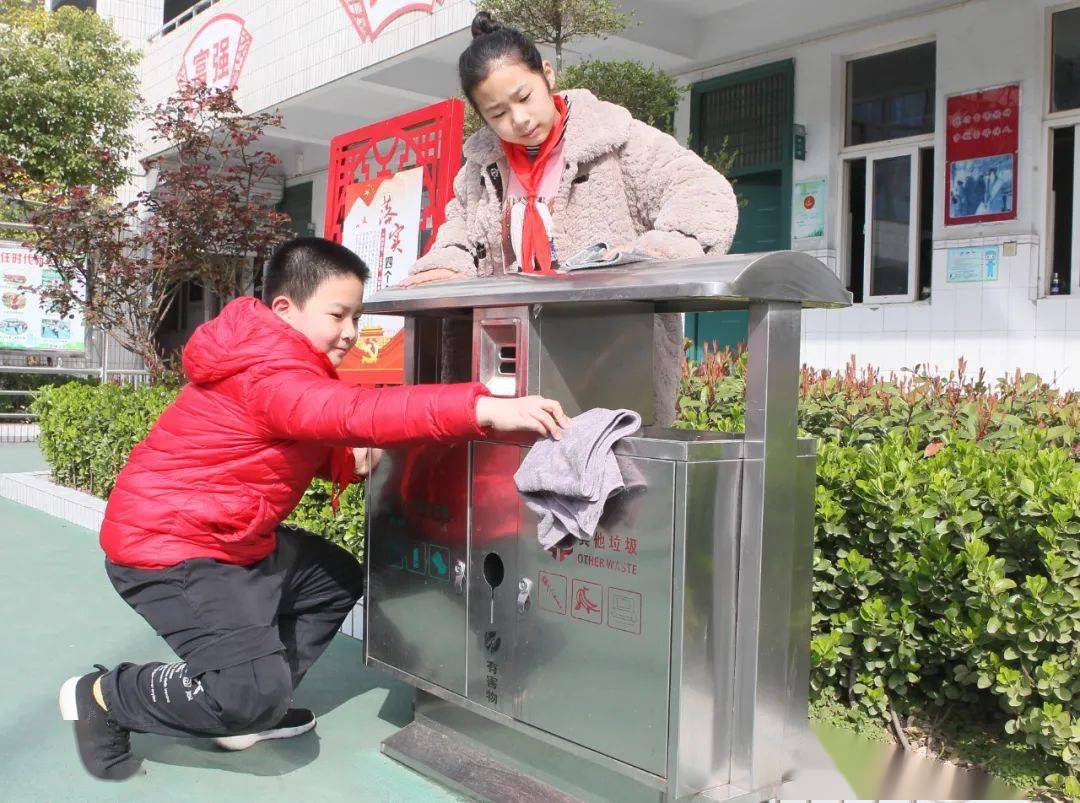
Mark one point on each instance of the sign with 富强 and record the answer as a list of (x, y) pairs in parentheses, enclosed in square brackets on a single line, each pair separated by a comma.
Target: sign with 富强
[(216, 54)]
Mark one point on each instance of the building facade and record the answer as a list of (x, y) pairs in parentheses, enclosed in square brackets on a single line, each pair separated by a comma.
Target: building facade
[(925, 150)]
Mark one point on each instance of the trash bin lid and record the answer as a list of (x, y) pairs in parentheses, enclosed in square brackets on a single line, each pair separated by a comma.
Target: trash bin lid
[(693, 285)]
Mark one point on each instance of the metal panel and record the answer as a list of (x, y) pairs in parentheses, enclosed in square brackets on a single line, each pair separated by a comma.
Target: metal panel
[(492, 655), (417, 508), (766, 548), (703, 636), (802, 596), (597, 357), (593, 645)]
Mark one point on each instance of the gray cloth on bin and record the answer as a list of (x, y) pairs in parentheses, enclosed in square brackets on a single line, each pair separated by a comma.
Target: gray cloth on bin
[(566, 483)]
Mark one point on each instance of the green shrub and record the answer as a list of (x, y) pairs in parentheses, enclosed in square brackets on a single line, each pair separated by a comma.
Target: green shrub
[(947, 541), (31, 382), (87, 433), (345, 528)]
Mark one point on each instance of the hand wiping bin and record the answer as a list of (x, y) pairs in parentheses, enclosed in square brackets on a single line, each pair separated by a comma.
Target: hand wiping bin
[(568, 482)]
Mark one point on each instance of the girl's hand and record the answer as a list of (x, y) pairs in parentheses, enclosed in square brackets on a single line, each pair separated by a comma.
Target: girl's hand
[(429, 276), (616, 249), (528, 414)]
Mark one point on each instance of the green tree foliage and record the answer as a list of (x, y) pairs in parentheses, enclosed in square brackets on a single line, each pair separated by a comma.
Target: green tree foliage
[(556, 22), (68, 92)]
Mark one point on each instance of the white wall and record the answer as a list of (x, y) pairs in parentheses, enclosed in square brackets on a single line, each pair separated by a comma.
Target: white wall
[(135, 20), (298, 46), (1001, 325)]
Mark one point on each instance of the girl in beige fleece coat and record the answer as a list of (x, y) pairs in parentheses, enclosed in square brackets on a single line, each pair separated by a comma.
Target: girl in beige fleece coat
[(612, 179)]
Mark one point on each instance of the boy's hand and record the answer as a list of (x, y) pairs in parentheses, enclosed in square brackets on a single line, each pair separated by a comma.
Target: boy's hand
[(366, 461), (527, 414)]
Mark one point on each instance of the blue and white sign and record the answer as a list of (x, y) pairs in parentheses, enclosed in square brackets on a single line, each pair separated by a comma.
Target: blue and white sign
[(980, 263)]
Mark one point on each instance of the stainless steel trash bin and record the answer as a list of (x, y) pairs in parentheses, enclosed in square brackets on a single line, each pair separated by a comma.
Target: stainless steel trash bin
[(670, 657)]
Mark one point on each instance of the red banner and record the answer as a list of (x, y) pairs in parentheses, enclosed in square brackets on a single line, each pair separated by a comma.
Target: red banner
[(982, 143), (427, 139)]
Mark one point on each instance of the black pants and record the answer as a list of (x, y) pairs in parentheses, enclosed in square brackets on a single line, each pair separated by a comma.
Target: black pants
[(245, 635)]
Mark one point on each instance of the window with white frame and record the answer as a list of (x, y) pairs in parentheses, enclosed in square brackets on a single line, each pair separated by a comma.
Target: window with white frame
[(1062, 276), (888, 182)]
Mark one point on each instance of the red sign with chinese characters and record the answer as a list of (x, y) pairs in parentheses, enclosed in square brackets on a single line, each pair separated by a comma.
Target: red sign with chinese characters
[(370, 17), (982, 143), (216, 54), (427, 140)]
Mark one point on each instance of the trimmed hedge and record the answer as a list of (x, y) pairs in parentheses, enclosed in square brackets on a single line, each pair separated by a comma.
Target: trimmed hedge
[(88, 431), (946, 547), (947, 539)]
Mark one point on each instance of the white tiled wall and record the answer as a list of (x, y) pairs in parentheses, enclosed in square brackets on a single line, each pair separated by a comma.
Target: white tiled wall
[(997, 326), (299, 46), (135, 20)]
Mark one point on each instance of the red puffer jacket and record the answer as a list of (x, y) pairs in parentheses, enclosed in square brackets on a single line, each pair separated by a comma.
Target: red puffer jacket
[(262, 415)]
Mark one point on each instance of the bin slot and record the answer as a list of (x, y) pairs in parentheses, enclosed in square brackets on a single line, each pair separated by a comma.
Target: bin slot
[(499, 367)]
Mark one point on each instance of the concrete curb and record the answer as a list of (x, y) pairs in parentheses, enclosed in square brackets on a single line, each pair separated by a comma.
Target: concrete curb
[(35, 489)]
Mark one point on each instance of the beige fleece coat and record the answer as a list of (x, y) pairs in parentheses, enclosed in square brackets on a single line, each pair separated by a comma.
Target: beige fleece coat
[(624, 181)]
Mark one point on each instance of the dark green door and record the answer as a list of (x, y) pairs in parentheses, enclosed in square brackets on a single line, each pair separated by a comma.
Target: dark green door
[(753, 111)]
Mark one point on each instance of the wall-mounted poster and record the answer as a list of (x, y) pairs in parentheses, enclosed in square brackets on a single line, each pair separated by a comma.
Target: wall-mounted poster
[(808, 211), (981, 155), (980, 263), (382, 227), (27, 324)]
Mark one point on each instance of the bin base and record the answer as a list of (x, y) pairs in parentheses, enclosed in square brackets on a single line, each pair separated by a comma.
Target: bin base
[(484, 760)]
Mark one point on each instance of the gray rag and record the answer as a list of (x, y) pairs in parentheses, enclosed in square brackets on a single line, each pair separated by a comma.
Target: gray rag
[(567, 482)]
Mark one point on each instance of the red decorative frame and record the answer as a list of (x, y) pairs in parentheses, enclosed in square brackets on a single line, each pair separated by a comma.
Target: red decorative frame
[(358, 15), (429, 138)]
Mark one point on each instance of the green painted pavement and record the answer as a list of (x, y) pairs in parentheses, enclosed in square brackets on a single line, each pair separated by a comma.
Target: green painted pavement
[(61, 616)]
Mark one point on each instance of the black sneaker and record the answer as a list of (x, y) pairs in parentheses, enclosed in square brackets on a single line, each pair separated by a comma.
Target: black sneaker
[(295, 722), (104, 747)]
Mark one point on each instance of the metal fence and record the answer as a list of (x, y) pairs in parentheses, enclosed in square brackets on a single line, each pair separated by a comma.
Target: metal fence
[(20, 426)]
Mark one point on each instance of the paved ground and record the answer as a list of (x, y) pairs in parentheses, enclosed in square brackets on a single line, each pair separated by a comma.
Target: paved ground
[(62, 616)]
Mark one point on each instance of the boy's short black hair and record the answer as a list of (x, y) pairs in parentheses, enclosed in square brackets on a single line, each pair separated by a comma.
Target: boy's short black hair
[(300, 265)]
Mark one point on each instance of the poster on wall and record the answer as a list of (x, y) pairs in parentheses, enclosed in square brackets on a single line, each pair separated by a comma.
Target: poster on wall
[(382, 227), (27, 324), (973, 264), (216, 54), (981, 155), (808, 211), (370, 18)]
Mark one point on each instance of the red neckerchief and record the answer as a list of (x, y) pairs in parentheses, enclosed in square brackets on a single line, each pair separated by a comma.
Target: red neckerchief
[(535, 256)]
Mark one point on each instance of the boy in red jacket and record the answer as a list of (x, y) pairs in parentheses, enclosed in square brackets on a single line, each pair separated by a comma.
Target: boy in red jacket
[(192, 532)]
